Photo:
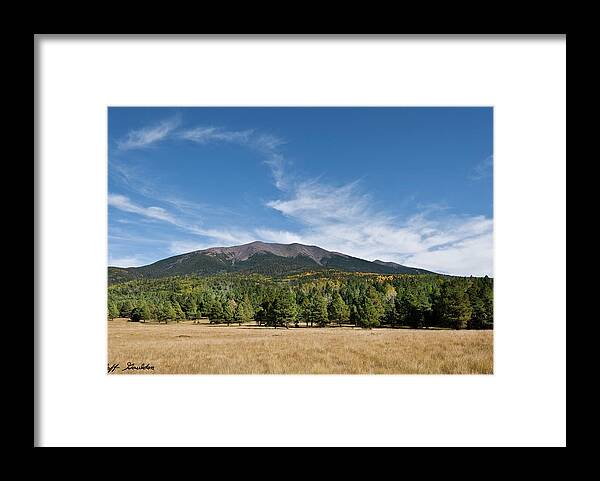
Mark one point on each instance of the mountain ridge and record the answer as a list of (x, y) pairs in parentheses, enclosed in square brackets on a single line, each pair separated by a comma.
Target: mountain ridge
[(257, 257)]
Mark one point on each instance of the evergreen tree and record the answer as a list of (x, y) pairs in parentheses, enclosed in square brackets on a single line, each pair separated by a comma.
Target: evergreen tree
[(371, 300), (285, 309), (145, 312), (215, 311), (415, 307), (113, 311), (371, 310), (229, 311), (170, 312), (162, 313), (242, 312), (317, 313), (455, 305), (190, 308), (354, 317), (338, 310), (179, 314), (126, 308), (304, 311), (136, 314)]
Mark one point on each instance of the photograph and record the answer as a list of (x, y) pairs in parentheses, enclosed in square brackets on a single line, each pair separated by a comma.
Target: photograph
[(300, 240)]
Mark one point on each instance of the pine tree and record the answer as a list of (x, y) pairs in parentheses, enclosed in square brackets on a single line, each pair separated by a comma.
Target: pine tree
[(304, 311), (179, 314), (371, 310), (354, 317), (190, 308), (136, 314), (113, 311), (170, 312), (455, 305), (243, 311), (415, 308), (285, 309), (126, 308), (145, 312), (215, 311), (162, 313), (229, 309), (339, 310), (318, 310)]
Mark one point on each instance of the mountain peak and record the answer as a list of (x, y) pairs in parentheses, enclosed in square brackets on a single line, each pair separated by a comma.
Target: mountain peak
[(258, 257), (245, 251)]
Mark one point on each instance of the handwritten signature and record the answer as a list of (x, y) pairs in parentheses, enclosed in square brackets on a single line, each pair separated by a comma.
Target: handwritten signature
[(131, 366)]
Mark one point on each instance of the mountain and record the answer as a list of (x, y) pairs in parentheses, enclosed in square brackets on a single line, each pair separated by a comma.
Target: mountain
[(257, 257), (388, 264)]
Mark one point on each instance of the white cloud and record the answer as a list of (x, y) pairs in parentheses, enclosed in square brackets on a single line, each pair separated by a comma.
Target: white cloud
[(471, 256), (138, 139), (483, 170), (128, 261), (203, 135), (344, 219), (123, 203), (278, 236), (269, 146), (185, 246)]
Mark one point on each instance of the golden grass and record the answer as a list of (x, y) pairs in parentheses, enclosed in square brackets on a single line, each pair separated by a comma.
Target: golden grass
[(186, 348)]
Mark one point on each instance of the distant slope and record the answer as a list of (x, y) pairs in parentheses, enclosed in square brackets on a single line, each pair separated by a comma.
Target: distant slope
[(257, 257)]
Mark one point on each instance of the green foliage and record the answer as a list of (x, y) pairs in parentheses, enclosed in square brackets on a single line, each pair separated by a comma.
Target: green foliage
[(215, 310), (317, 310), (338, 310), (414, 308), (203, 264), (145, 312), (190, 307), (370, 310), (179, 314), (243, 312), (304, 311), (113, 310), (481, 300), (366, 300), (455, 308), (285, 309), (136, 314), (229, 308), (125, 308)]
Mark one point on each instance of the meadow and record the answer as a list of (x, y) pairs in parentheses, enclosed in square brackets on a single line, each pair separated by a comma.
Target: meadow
[(187, 348)]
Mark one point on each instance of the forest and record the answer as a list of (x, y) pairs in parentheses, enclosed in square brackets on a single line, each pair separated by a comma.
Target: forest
[(310, 300)]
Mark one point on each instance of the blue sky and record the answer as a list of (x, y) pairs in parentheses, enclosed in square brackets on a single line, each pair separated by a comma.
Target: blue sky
[(410, 185)]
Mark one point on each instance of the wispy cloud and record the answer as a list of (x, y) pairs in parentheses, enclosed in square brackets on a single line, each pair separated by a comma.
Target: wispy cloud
[(123, 203), (343, 218), (161, 214), (483, 170), (269, 146), (127, 261), (204, 135), (185, 246), (132, 178), (147, 136)]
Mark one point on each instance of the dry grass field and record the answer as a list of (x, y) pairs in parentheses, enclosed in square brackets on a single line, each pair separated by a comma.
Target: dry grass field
[(186, 348)]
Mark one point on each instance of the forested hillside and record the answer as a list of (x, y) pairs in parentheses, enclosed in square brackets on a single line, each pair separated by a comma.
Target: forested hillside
[(257, 258), (311, 299)]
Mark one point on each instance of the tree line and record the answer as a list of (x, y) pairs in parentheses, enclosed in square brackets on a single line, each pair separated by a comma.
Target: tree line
[(364, 300)]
